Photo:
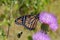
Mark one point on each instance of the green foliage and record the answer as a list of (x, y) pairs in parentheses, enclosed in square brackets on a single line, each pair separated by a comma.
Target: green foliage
[(45, 27), (32, 6), (29, 38), (2, 17), (2, 34), (15, 8)]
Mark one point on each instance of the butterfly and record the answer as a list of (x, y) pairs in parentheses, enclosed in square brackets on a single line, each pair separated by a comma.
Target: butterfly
[(28, 21)]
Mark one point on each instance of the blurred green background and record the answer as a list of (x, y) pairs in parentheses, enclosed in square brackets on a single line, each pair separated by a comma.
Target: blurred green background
[(12, 9)]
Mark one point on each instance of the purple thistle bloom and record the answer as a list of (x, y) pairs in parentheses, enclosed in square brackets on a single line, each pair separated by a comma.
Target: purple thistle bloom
[(40, 36), (49, 19), (53, 26)]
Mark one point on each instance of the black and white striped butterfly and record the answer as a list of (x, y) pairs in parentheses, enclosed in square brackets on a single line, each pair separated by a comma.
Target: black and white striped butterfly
[(28, 21)]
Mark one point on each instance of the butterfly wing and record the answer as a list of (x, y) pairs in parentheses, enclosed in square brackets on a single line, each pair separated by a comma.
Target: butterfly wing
[(20, 20), (27, 21), (31, 22)]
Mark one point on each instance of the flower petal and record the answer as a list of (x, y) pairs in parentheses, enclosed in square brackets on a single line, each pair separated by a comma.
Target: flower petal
[(49, 19), (41, 36)]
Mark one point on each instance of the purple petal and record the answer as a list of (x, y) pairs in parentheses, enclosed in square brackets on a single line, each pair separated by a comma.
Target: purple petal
[(53, 26), (40, 36), (45, 17)]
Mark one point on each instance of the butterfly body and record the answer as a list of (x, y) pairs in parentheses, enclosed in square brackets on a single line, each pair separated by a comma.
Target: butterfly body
[(28, 21)]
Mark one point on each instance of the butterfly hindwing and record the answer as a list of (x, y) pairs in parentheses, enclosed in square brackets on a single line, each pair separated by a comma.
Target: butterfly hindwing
[(31, 22), (27, 21)]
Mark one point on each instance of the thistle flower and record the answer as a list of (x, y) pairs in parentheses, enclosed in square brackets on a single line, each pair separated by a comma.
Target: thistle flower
[(40, 36), (50, 19)]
